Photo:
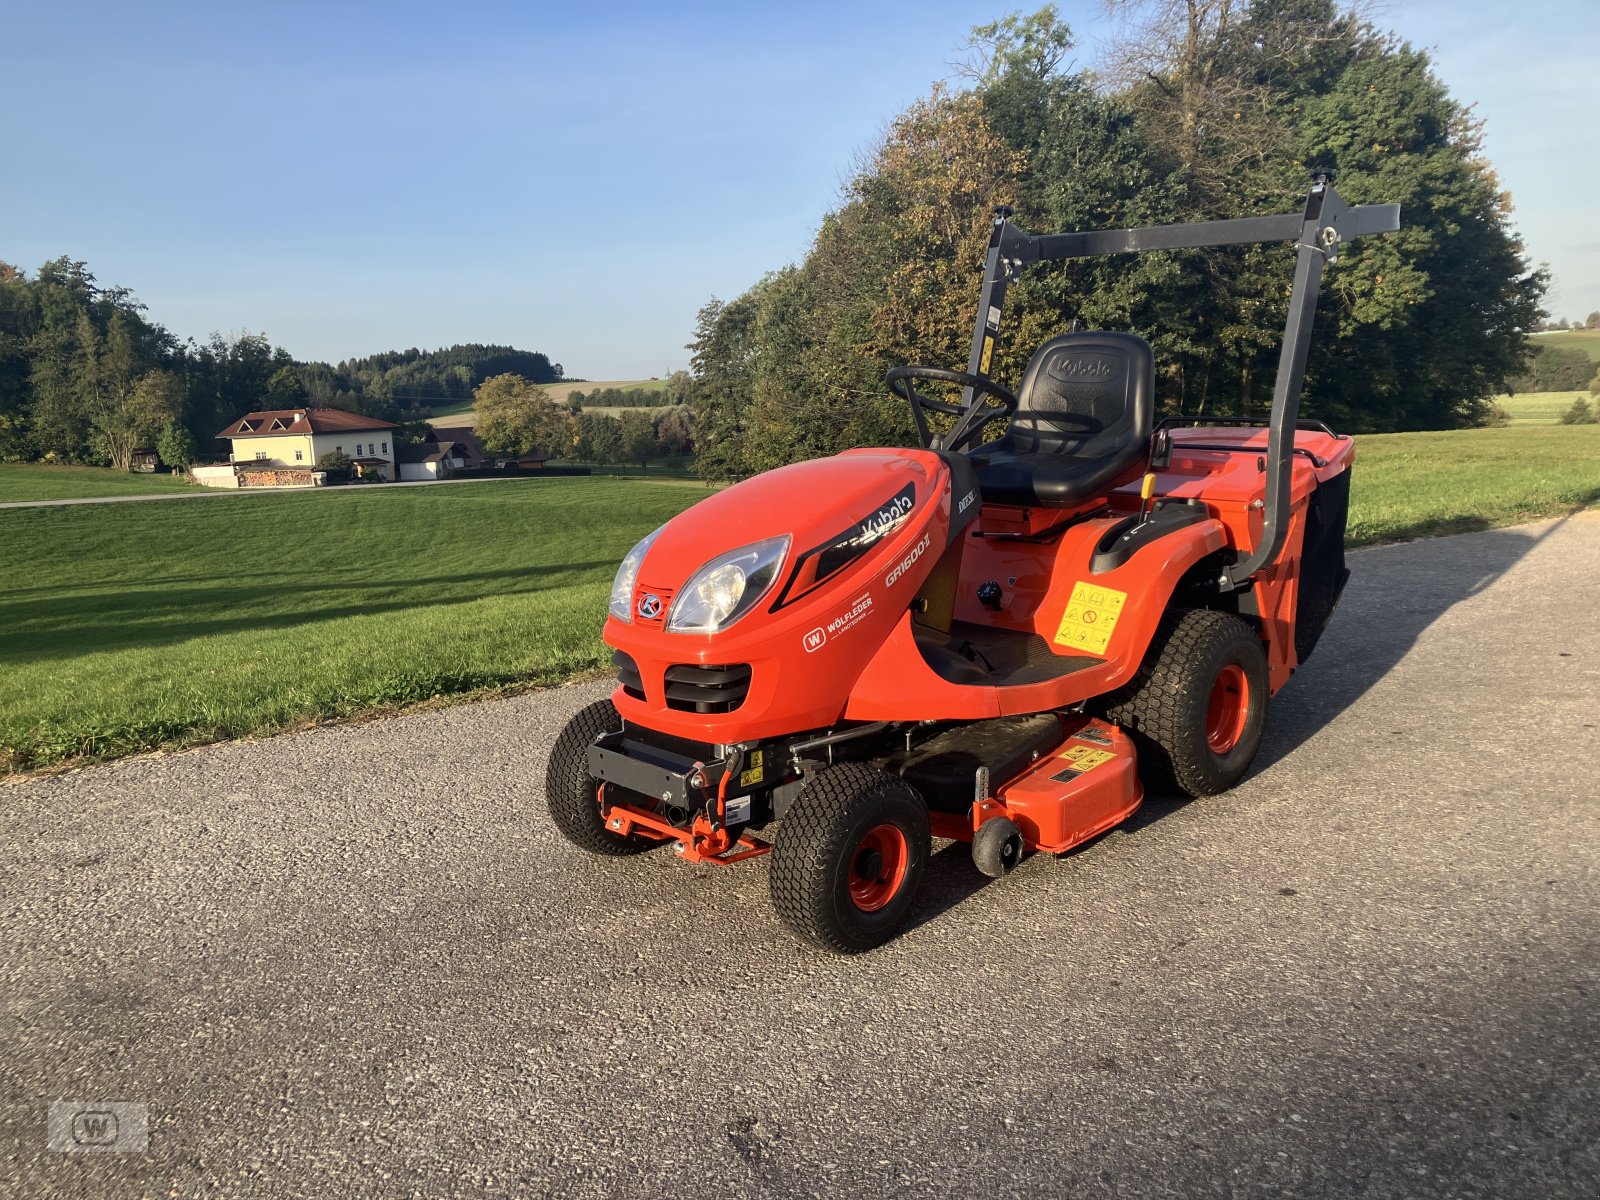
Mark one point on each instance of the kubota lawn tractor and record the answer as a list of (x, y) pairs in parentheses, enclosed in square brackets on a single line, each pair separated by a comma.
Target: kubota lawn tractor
[(983, 640)]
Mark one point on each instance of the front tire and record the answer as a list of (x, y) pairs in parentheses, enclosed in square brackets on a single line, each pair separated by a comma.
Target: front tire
[(570, 791), (849, 858), (1197, 708)]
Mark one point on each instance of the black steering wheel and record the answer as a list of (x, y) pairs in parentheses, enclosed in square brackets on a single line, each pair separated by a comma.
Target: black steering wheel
[(970, 421)]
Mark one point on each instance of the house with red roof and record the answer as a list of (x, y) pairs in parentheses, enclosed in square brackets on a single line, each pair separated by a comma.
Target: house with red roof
[(294, 439)]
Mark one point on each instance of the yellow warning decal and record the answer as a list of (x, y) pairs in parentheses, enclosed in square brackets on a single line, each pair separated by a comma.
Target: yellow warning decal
[(988, 353), (1086, 758), (1091, 616), (754, 774)]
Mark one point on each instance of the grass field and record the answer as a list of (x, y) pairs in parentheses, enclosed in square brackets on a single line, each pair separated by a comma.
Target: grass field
[(1587, 340), (465, 414), (142, 625), (34, 481), (1540, 408), (1419, 484)]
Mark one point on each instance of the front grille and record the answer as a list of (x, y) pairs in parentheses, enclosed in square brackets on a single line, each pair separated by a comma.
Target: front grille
[(628, 674), (662, 604), (707, 689)]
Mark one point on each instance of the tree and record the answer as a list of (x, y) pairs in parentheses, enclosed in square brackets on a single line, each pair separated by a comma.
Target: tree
[(515, 417), (638, 438), (1579, 414), (126, 417), (176, 446), (337, 464), (674, 431), (1554, 369), (1592, 321)]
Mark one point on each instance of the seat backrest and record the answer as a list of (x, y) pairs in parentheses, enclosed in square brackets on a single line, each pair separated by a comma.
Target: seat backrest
[(1086, 395)]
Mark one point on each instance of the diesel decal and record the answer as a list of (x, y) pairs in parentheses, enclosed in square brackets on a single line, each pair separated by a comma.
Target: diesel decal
[(909, 561), (966, 502)]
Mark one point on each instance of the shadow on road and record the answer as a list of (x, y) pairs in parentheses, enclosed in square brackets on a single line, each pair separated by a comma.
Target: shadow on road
[(1390, 602)]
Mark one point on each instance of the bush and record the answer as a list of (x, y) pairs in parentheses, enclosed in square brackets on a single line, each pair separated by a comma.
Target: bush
[(1594, 385), (176, 447), (337, 465), (1579, 414)]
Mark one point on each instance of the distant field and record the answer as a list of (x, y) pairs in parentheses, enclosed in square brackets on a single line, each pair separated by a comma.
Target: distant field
[(1420, 484), (145, 625), (464, 414), (1587, 340), (34, 481), (1540, 408)]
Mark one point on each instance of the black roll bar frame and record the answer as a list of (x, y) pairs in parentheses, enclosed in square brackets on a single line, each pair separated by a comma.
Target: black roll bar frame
[(1324, 223)]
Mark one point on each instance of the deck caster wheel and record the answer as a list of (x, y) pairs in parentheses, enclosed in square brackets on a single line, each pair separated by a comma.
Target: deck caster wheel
[(849, 857), (997, 847)]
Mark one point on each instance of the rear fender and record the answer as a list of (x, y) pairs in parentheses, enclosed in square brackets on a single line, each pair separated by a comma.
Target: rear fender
[(1051, 592)]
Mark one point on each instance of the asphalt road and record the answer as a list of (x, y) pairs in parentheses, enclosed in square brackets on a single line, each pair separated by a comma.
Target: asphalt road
[(356, 961)]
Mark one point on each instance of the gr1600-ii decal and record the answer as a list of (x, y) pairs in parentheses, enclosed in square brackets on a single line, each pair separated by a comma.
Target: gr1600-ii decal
[(817, 565)]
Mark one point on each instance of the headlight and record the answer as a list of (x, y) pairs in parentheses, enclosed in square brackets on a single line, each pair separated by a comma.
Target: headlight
[(727, 587), (627, 576)]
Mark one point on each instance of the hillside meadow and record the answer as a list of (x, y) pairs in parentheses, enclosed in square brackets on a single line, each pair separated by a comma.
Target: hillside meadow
[(139, 626), (1587, 340), (465, 413)]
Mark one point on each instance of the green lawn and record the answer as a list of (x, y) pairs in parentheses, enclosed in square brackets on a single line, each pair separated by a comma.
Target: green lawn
[(1419, 484), (1540, 408), (35, 481), (1587, 340), (139, 625), (143, 625)]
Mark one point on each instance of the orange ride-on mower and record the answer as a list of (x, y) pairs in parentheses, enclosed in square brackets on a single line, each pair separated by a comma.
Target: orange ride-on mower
[(989, 641)]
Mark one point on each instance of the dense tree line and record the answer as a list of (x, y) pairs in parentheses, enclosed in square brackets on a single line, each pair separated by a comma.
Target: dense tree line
[(1554, 369), (87, 376), (1206, 109), (514, 418)]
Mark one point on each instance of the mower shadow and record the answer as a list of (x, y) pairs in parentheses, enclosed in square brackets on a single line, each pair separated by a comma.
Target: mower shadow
[(1394, 595)]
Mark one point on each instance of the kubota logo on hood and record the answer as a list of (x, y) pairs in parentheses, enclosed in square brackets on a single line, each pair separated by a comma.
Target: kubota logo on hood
[(649, 606)]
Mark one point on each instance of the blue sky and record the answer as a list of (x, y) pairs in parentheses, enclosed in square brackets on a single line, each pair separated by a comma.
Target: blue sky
[(573, 178)]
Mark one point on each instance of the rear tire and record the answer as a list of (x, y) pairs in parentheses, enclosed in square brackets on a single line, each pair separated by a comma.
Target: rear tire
[(849, 857), (1198, 706), (570, 791)]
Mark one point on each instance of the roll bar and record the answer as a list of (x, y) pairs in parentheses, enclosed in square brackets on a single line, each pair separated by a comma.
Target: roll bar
[(1317, 231)]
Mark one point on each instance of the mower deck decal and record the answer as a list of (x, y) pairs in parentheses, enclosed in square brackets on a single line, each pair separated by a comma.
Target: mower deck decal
[(1090, 618), (1079, 759)]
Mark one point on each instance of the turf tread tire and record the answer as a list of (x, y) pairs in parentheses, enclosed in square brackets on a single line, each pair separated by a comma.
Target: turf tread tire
[(1163, 707), (814, 848), (569, 789)]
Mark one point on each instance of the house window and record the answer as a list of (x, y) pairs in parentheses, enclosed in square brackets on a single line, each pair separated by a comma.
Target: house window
[(358, 449), (386, 447), (261, 456), (339, 450), (298, 456)]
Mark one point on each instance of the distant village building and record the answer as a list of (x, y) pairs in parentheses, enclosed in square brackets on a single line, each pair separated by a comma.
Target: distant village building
[(282, 446)]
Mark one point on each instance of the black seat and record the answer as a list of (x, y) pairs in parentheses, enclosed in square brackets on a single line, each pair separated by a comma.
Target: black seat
[(1082, 425)]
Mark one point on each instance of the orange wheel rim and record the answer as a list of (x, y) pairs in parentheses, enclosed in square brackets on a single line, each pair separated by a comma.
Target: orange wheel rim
[(878, 867), (1228, 710)]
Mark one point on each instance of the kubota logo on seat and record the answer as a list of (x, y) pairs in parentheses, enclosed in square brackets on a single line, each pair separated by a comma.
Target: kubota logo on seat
[(649, 606), (908, 561)]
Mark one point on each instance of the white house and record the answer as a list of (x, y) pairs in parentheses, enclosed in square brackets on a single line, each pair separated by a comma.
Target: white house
[(295, 438)]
